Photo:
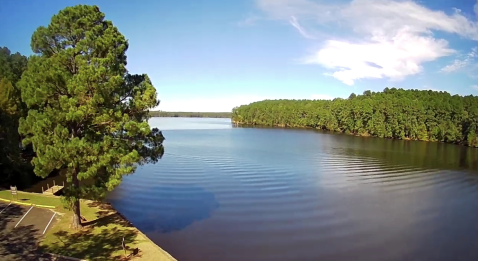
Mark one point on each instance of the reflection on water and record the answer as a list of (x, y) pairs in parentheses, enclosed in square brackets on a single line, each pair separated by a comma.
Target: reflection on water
[(417, 153), (223, 193), (182, 206)]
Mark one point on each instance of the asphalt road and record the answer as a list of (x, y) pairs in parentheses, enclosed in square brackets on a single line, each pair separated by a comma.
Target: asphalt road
[(21, 228)]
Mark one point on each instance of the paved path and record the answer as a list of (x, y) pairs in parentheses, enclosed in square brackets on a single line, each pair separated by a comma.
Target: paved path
[(21, 228)]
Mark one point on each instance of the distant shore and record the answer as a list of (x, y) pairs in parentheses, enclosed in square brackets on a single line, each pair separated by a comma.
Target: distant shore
[(190, 114), (282, 126), (391, 114)]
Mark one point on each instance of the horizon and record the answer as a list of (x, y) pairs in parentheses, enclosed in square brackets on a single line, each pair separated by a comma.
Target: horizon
[(357, 94), (213, 56)]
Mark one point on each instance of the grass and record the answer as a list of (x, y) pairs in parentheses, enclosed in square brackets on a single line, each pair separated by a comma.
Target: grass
[(101, 237), (31, 198)]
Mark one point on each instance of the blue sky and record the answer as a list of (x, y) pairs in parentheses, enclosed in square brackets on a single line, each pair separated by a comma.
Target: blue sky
[(213, 55)]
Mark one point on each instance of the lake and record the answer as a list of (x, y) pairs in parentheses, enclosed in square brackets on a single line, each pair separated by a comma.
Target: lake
[(228, 193)]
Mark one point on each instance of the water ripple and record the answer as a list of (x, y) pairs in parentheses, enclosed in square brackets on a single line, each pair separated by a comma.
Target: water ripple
[(311, 196)]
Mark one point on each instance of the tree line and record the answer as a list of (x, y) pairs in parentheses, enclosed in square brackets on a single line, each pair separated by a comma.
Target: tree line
[(392, 113), (73, 106), (14, 159), (190, 114)]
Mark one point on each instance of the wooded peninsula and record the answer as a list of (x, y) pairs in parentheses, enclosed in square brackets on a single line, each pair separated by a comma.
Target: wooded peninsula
[(392, 113)]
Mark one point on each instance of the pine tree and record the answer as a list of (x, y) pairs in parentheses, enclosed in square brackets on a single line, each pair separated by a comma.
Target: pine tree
[(9, 138), (86, 115), (8, 100)]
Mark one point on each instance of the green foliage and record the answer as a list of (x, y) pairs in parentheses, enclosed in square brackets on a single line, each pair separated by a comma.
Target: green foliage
[(8, 100), (393, 113), (12, 66), (86, 113), (10, 151), (190, 114)]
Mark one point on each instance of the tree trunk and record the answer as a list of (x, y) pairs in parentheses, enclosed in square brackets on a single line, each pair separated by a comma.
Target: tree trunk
[(76, 221)]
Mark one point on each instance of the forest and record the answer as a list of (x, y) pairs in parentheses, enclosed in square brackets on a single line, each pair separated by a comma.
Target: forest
[(190, 114), (14, 159), (393, 113)]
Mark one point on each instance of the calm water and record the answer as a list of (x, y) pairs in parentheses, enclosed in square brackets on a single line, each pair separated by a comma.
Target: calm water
[(224, 193)]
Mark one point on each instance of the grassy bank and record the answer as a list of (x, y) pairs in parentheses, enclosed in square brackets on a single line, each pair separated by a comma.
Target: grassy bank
[(25, 198), (101, 237)]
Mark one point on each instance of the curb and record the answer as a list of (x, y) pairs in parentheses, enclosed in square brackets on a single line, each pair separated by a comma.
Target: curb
[(43, 206), (26, 204)]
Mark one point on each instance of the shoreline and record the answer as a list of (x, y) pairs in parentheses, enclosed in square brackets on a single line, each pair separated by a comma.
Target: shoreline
[(140, 233), (366, 135), (161, 254), (148, 250)]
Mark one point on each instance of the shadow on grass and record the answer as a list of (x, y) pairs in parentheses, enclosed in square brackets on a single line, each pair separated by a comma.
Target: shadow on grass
[(18, 243), (100, 239), (106, 215)]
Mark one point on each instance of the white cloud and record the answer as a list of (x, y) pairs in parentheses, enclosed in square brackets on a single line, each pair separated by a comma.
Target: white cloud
[(475, 8), (454, 66), (249, 20), (222, 104), (458, 64), (396, 37), (394, 59), (293, 21), (475, 87)]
